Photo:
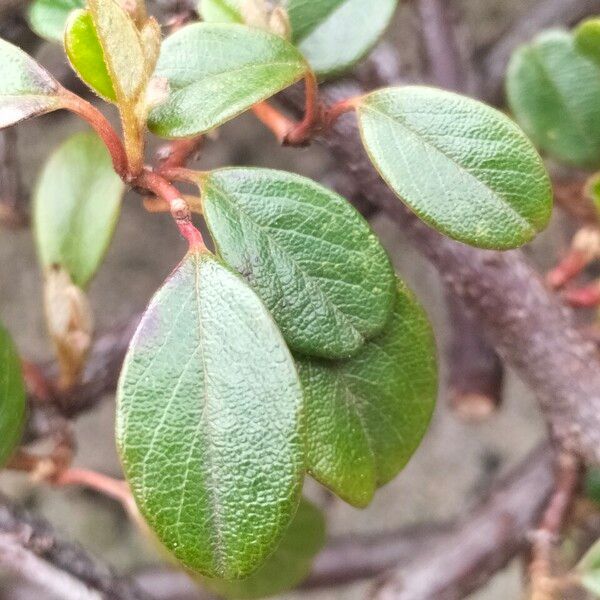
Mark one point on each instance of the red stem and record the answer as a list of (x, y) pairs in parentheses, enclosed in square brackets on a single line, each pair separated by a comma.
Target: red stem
[(587, 296), (335, 111), (115, 488)]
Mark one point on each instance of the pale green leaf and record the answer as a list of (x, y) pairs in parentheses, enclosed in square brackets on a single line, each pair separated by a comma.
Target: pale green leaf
[(209, 421), (366, 416), (215, 72), (589, 569), (48, 17), (587, 39), (463, 167), (76, 205), (287, 567)]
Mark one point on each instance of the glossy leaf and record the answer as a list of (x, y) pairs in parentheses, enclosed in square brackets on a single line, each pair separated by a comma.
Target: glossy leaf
[(26, 89), (208, 421), (367, 415), (12, 397), (122, 48), (85, 54), (332, 34), (461, 166), (76, 206), (553, 91), (587, 39), (589, 569), (287, 567), (48, 17), (215, 72), (307, 253)]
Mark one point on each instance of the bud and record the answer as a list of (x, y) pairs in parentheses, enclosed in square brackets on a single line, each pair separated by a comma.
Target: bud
[(267, 15)]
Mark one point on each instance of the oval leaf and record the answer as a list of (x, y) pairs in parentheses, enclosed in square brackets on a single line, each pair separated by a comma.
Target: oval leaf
[(366, 416), (307, 253), (553, 91), (48, 17), (589, 569), (76, 206), (587, 39), (215, 72), (85, 54), (208, 421), (332, 34), (461, 166), (287, 567), (26, 89), (12, 397)]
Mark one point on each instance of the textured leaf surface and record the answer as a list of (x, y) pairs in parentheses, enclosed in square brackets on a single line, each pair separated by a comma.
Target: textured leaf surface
[(367, 415), (215, 72), (287, 567), (332, 34), (76, 206), (26, 89), (463, 167), (208, 421), (12, 397), (589, 569), (553, 91), (48, 17), (307, 253), (85, 54)]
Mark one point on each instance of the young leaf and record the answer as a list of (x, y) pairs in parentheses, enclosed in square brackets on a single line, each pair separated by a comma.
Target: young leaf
[(215, 72), (461, 166), (307, 253), (589, 569), (48, 17), (367, 415), (332, 34), (553, 91), (209, 421), (287, 567), (12, 397), (85, 54), (26, 89), (587, 39), (76, 206)]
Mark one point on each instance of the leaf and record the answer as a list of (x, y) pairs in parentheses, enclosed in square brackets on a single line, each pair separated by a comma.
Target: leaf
[(287, 567), (461, 166), (589, 569), (48, 17), (307, 253), (76, 206), (366, 416), (333, 35), (215, 72), (26, 89), (12, 397), (85, 54), (208, 421), (122, 48), (587, 39), (592, 484), (553, 92)]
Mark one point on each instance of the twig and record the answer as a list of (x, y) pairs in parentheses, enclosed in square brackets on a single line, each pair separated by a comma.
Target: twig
[(13, 212)]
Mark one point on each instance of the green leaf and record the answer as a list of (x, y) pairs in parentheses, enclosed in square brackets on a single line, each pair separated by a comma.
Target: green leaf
[(26, 89), (592, 484), (589, 569), (48, 17), (12, 397), (587, 39), (461, 166), (85, 54), (209, 421), (553, 91), (366, 416), (287, 567), (332, 34), (215, 72), (307, 253), (122, 48), (76, 206)]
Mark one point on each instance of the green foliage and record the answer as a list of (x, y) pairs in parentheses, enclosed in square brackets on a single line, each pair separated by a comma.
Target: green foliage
[(592, 484), (589, 569), (26, 89), (287, 567), (208, 421), (587, 39), (333, 35), (12, 397), (553, 91), (76, 206), (307, 253), (366, 416), (48, 17), (215, 72), (85, 54), (461, 166)]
